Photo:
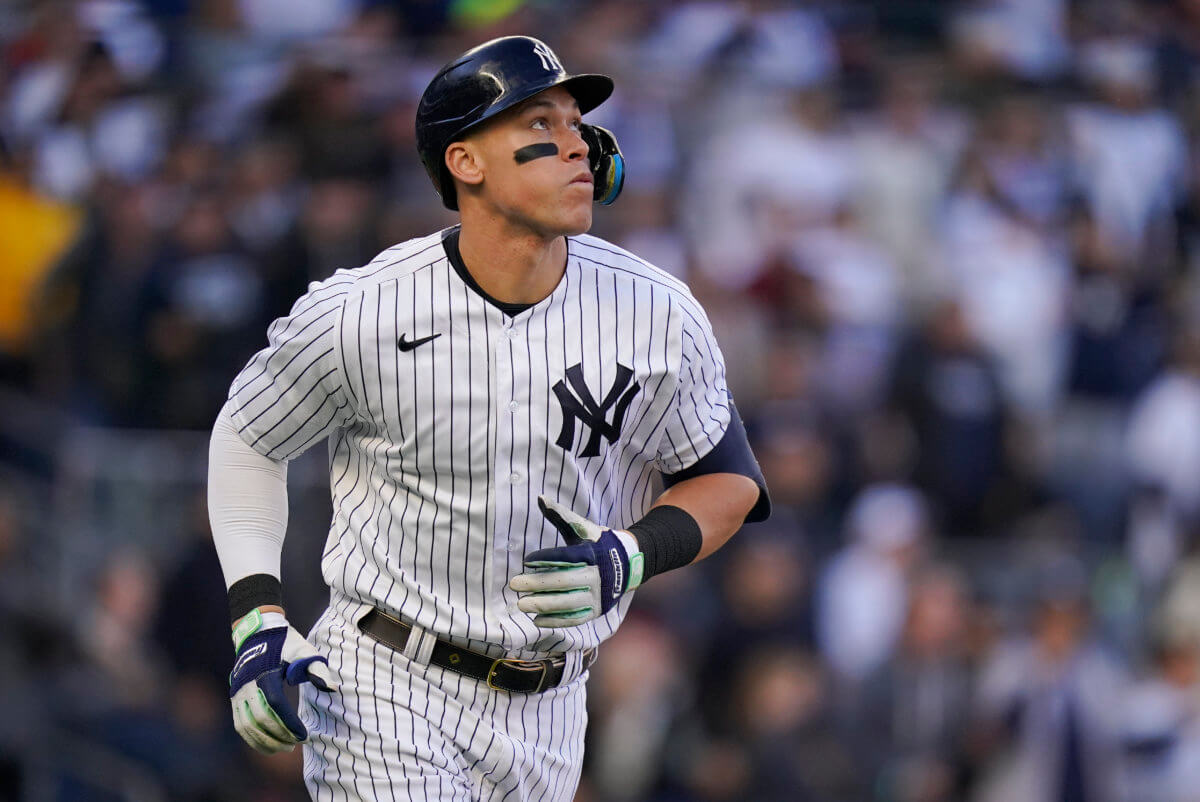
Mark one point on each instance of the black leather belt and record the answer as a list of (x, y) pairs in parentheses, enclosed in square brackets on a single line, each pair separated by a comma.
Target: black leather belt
[(500, 673)]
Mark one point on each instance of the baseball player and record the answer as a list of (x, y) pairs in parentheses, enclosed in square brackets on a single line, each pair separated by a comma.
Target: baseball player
[(524, 423)]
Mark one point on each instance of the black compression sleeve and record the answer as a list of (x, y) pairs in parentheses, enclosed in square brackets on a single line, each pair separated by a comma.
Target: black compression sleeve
[(256, 590), (669, 538)]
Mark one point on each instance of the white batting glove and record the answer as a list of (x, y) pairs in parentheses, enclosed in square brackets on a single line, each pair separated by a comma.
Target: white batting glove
[(570, 585), (270, 651)]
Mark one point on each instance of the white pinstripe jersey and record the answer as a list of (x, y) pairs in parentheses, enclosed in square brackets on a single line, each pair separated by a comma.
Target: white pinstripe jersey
[(439, 452)]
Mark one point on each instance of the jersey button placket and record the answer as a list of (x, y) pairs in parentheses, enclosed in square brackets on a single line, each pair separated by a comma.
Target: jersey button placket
[(510, 495), (501, 459)]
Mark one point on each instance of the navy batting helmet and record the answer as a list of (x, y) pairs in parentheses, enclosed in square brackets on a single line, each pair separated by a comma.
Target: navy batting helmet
[(483, 82)]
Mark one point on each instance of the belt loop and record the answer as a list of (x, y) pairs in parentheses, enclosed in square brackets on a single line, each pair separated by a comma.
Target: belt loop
[(425, 650), (416, 648), (573, 667)]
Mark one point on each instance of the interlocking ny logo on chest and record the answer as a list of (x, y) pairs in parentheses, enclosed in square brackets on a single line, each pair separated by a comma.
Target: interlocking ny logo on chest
[(581, 405)]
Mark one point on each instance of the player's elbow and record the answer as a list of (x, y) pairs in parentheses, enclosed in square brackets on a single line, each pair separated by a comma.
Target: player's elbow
[(742, 493)]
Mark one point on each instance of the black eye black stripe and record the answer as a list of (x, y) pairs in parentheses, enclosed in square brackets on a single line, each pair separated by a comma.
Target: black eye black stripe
[(536, 151)]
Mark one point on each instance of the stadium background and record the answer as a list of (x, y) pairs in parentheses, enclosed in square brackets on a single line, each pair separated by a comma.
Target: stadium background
[(951, 250)]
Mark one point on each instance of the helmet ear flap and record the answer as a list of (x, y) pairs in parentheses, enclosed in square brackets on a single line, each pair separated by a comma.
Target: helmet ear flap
[(606, 162)]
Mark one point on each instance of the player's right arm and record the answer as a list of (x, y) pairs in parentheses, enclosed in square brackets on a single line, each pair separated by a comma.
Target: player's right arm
[(247, 500), (288, 397)]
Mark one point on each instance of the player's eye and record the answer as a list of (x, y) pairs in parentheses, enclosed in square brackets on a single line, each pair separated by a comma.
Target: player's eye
[(540, 124), (575, 125)]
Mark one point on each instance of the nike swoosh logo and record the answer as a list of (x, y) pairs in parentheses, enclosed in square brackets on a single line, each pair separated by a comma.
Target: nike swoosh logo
[(408, 345)]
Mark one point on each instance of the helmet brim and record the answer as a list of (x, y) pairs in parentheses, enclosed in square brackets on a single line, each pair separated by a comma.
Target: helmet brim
[(589, 90)]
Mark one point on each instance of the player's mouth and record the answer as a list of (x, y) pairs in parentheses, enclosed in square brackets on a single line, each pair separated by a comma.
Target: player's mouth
[(586, 178)]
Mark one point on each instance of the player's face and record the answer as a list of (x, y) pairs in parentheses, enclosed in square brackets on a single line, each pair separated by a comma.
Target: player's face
[(535, 165)]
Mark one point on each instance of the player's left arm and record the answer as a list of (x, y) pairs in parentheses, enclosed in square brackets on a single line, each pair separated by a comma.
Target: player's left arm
[(717, 502), (722, 490), (714, 485)]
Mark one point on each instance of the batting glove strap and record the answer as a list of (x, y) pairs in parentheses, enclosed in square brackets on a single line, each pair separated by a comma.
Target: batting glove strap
[(270, 652)]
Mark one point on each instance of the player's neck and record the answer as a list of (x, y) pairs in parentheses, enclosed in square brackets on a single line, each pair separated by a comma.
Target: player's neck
[(517, 268)]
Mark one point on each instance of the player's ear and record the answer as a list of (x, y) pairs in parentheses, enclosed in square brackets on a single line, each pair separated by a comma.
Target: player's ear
[(464, 163)]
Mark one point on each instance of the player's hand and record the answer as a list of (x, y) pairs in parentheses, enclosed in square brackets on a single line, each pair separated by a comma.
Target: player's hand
[(270, 651), (569, 585)]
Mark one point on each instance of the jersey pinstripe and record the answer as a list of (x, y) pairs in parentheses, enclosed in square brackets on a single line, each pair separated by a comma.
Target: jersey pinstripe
[(438, 451)]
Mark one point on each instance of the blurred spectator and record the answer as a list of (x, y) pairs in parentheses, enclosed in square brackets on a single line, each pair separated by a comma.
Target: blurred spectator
[(1024, 38), (1130, 156), (783, 723), (88, 124), (863, 592), (1177, 617), (798, 459), (765, 44), (206, 306), (1021, 150), (640, 688), (757, 183), (1118, 319), (35, 231), (1046, 699), (1177, 50), (114, 635), (323, 111), (265, 191), (31, 648), (912, 717), (949, 389), (1163, 438), (196, 644), (857, 288), (904, 155), (1161, 723), (335, 228), (92, 351), (766, 597), (1009, 277)]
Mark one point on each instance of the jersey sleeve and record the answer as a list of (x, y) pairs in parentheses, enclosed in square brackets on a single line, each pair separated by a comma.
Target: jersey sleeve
[(293, 393), (700, 411)]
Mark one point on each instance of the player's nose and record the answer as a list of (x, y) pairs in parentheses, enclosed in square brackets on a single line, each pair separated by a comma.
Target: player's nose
[(575, 148)]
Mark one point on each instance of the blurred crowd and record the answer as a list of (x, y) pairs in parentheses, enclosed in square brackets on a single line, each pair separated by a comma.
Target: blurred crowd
[(951, 249)]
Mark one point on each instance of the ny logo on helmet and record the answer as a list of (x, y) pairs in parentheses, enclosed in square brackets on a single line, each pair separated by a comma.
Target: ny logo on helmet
[(547, 57), (590, 413)]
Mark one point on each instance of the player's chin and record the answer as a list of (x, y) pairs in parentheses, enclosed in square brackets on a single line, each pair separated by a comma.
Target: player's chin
[(576, 213)]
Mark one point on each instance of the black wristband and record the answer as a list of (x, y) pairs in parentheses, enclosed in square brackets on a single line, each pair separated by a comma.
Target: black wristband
[(669, 538), (253, 591)]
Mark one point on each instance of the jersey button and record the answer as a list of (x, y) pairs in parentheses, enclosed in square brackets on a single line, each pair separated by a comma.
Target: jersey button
[(513, 406), (516, 478), (510, 333)]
